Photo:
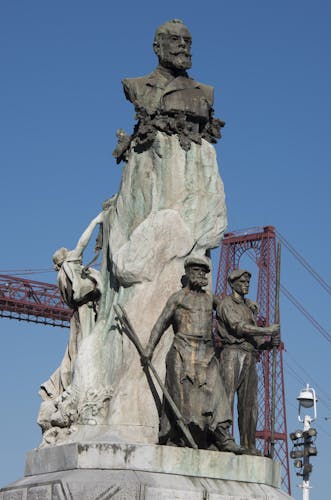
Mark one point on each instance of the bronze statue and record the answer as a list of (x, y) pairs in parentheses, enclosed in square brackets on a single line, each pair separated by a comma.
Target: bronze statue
[(168, 99), (192, 370), (241, 339)]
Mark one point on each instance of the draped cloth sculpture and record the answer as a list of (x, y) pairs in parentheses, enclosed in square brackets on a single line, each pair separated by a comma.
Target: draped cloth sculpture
[(80, 289), (170, 204)]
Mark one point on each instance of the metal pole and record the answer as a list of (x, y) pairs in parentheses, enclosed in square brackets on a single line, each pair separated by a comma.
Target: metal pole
[(305, 478), (274, 357), (305, 489)]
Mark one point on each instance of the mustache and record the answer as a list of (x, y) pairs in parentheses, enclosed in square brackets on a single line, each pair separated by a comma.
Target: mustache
[(199, 281), (181, 53)]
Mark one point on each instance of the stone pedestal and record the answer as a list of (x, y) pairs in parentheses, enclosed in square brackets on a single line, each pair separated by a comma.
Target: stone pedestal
[(104, 471)]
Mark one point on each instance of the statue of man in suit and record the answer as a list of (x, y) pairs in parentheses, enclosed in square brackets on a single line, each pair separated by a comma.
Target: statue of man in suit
[(169, 100)]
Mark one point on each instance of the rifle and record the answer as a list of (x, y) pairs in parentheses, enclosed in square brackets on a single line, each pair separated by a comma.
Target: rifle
[(128, 329)]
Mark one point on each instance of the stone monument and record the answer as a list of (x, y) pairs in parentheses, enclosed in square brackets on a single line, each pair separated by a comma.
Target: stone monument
[(101, 409)]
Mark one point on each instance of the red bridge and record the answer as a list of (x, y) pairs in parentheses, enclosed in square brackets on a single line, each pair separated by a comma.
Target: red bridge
[(32, 301)]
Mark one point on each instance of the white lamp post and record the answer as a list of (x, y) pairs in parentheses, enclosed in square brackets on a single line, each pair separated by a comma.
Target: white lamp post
[(307, 400)]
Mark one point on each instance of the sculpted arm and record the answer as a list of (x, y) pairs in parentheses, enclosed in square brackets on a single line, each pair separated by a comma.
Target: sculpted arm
[(241, 328), (273, 330), (85, 237), (248, 330), (161, 325)]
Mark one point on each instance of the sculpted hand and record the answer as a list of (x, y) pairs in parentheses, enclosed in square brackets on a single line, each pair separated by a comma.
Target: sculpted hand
[(275, 341), (147, 356), (273, 330)]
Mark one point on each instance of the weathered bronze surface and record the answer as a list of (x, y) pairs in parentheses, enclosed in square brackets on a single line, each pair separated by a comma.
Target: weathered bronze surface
[(169, 100), (192, 375), (241, 339)]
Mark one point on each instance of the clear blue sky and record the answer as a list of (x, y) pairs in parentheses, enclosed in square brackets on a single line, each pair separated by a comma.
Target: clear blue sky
[(61, 103)]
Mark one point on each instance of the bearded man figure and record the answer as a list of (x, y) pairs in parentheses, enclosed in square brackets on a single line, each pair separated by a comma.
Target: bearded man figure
[(168, 99), (192, 370)]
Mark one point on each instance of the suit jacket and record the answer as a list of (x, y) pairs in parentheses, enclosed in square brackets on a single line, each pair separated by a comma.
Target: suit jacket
[(160, 91)]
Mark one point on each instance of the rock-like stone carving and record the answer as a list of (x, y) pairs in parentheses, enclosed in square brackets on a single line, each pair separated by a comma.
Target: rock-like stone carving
[(94, 404)]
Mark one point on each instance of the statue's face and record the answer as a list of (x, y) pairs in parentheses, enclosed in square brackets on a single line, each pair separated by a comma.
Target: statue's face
[(173, 48), (241, 285), (197, 276)]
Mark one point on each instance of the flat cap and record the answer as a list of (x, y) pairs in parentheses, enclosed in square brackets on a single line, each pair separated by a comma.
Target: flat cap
[(236, 274), (193, 260)]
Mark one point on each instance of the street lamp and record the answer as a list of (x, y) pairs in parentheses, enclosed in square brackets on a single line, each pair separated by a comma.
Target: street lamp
[(304, 440), (307, 399)]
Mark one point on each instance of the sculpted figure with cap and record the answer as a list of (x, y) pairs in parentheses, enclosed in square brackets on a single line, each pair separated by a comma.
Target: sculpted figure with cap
[(241, 339), (192, 370)]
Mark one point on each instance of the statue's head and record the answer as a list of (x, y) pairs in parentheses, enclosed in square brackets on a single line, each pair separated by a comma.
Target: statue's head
[(172, 45), (59, 257), (239, 281), (196, 270)]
